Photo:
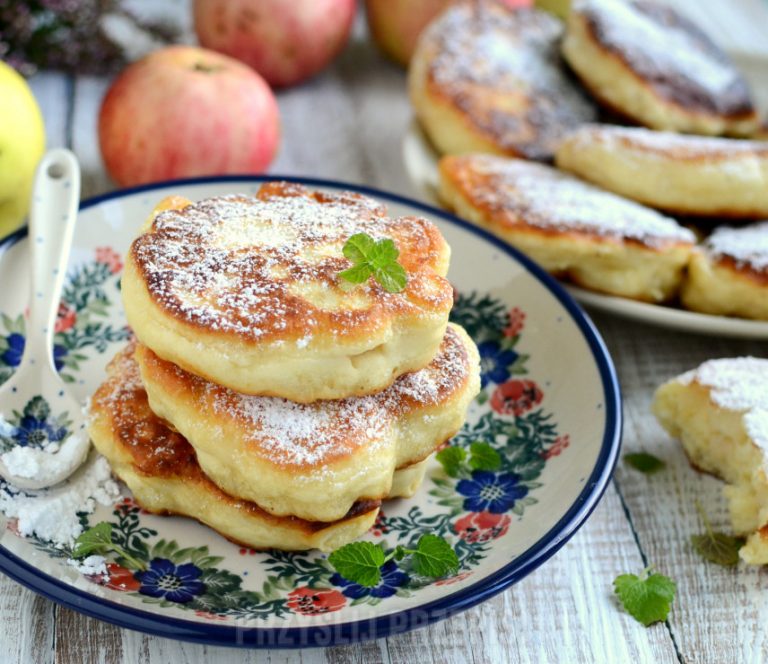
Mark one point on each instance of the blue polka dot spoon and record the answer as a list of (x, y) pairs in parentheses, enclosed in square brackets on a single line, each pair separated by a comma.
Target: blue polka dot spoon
[(42, 426)]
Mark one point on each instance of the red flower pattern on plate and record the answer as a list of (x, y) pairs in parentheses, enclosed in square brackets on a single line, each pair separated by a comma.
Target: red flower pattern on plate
[(120, 578), (65, 318), (515, 322), (453, 579), (312, 601), (482, 526), (516, 397), (209, 616), (13, 526), (379, 526), (561, 442), (110, 257)]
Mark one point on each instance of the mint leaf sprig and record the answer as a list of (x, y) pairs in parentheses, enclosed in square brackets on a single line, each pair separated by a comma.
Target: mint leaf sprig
[(716, 547), (97, 540), (648, 597), (374, 258), (457, 463), (644, 462), (361, 562)]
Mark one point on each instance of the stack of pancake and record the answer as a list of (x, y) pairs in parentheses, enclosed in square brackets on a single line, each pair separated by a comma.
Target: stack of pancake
[(266, 396), (497, 90)]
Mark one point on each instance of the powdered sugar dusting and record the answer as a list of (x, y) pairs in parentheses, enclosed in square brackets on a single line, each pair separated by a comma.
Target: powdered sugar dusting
[(524, 192), (236, 263), (484, 49), (668, 51), (52, 514), (291, 433), (747, 246), (90, 566), (666, 143), (739, 384)]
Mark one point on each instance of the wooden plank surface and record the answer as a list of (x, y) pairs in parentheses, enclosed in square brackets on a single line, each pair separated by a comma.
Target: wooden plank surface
[(563, 612)]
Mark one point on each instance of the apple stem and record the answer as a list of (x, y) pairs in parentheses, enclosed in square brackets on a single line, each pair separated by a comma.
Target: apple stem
[(201, 66)]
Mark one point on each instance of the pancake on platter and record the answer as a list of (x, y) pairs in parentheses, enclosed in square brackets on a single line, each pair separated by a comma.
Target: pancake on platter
[(653, 65), (572, 229), (485, 78), (728, 275), (689, 175)]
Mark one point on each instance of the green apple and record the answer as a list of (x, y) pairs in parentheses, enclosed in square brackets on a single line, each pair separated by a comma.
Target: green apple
[(22, 142), (560, 8)]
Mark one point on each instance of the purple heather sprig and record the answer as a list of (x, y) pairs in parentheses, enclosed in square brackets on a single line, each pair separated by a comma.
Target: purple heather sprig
[(67, 35)]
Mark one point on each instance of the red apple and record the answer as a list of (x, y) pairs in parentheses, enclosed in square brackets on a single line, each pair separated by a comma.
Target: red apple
[(183, 111), (396, 24), (286, 41)]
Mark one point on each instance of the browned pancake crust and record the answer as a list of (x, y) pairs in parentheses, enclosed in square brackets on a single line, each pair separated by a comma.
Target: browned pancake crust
[(502, 69), (158, 451), (734, 102), (181, 267)]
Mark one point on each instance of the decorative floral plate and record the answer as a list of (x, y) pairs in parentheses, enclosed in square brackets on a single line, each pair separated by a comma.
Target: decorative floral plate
[(549, 405)]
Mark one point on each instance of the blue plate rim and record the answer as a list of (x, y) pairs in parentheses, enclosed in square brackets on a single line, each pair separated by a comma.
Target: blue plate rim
[(395, 623)]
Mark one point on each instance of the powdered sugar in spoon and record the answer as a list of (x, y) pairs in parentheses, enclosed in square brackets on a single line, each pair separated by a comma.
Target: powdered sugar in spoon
[(42, 426)]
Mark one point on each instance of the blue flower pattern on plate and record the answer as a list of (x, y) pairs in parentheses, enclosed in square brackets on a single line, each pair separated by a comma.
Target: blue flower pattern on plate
[(174, 583), (491, 492), (36, 432), (392, 577), (494, 362), (12, 355)]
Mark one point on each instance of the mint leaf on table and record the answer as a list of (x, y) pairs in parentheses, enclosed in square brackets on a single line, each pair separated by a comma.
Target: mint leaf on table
[(718, 548), (434, 557), (484, 457), (644, 462), (359, 562), (715, 547), (451, 459), (96, 540), (648, 597), (377, 258)]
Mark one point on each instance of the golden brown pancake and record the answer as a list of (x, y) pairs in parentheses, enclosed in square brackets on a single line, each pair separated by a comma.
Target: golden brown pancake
[(160, 467), (729, 274), (572, 229), (245, 291), (485, 78), (653, 65), (316, 460), (691, 175)]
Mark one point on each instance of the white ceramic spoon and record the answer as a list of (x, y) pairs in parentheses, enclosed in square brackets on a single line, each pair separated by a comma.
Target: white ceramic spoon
[(42, 426)]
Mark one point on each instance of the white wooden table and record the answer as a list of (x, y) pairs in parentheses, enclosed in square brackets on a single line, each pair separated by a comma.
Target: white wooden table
[(347, 124)]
